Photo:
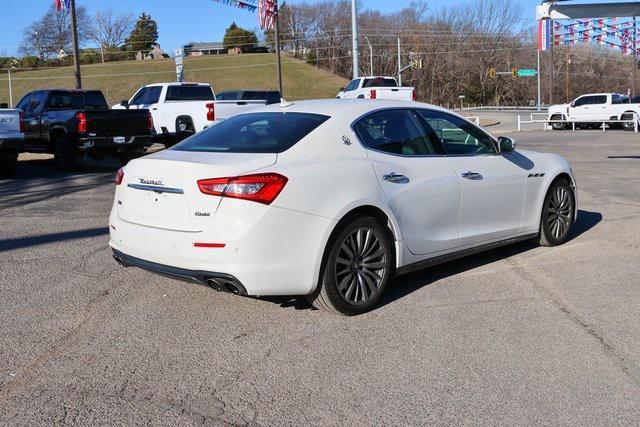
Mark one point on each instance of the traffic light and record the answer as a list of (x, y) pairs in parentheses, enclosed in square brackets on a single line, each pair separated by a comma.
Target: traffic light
[(416, 64), (492, 73), (514, 72)]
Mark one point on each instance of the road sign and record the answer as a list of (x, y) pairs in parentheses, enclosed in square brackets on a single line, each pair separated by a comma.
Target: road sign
[(492, 73), (180, 65), (514, 72), (527, 72)]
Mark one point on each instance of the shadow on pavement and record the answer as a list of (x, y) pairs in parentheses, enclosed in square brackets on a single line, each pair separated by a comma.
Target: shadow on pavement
[(29, 241), (623, 157)]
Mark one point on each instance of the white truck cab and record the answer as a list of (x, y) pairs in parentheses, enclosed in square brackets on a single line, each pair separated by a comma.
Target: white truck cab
[(377, 87)]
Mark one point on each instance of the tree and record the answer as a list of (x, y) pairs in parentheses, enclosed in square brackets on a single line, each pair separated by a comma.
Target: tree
[(238, 37), (144, 35), (110, 30), (52, 33)]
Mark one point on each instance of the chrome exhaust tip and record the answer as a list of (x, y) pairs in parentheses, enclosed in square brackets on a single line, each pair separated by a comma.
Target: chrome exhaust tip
[(215, 285)]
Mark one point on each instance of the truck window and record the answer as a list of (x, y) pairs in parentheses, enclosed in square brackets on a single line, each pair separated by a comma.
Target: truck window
[(24, 103), (60, 100), (353, 85), (600, 99), (228, 96), (189, 93), (380, 82), (147, 95), (585, 100), (37, 102), (619, 99), (95, 101)]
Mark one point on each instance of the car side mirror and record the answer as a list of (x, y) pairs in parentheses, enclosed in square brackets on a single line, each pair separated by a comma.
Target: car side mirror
[(507, 145), (341, 89), (125, 104), (572, 105)]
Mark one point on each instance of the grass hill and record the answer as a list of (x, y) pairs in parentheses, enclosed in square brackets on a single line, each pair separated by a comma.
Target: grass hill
[(119, 80)]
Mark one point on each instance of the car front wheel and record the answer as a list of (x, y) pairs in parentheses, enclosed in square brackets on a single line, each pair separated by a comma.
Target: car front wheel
[(557, 214), (357, 268)]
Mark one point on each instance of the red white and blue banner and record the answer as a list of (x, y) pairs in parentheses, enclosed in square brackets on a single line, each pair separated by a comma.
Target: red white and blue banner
[(63, 5), (544, 34), (616, 33), (267, 11), (248, 5)]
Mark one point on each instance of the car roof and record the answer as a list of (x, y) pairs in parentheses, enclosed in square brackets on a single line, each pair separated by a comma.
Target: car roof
[(178, 84), (338, 107)]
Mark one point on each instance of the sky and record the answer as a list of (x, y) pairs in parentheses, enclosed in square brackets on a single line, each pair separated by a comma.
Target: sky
[(179, 21)]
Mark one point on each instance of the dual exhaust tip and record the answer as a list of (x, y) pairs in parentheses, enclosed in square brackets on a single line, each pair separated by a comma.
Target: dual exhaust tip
[(222, 285)]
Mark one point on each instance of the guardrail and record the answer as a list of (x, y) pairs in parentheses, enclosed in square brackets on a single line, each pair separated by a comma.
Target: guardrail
[(504, 107), (547, 122), (474, 119)]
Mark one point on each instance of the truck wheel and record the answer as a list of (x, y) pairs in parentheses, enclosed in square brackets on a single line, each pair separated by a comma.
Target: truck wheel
[(185, 124), (8, 164), (627, 116), (558, 126), (64, 157)]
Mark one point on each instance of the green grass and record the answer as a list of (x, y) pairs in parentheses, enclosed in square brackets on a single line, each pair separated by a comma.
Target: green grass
[(119, 80)]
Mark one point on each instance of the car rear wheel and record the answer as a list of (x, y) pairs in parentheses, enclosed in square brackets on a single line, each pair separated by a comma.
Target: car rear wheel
[(357, 268), (64, 157), (557, 214)]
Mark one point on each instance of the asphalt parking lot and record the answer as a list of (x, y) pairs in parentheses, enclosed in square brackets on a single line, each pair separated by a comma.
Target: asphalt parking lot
[(518, 335)]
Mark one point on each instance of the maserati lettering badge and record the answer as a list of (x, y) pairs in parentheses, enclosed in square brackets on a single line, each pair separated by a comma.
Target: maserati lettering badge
[(150, 181), (203, 214)]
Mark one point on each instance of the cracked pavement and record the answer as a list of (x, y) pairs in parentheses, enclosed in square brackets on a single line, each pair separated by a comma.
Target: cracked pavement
[(518, 335)]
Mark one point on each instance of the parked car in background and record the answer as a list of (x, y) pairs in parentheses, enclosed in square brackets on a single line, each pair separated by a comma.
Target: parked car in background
[(592, 109), (271, 96), (330, 199), (182, 109), (74, 123), (11, 140), (377, 87)]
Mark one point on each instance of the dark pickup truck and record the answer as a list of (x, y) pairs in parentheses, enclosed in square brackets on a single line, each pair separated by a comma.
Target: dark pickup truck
[(77, 123)]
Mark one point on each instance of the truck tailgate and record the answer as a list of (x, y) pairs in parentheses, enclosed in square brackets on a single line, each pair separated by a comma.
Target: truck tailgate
[(225, 109), (118, 122), (10, 124)]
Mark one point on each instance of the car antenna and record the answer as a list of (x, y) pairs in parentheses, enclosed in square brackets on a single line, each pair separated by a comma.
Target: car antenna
[(284, 103)]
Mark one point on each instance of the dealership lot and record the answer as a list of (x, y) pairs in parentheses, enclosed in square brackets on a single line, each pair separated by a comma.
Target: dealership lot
[(520, 334)]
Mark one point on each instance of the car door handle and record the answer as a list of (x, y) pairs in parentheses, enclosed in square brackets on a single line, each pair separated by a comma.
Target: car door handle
[(395, 178), (474, 176)]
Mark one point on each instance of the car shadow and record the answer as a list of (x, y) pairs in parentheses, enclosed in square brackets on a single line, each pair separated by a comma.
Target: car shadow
[(623, 157), (43, 239), (402, 286)]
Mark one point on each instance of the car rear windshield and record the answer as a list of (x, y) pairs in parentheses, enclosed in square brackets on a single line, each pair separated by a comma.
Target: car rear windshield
[(227, 96), (380, 82), (93, 100), (269, 132), (189, 93)]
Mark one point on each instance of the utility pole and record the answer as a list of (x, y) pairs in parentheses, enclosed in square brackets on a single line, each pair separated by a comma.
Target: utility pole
[(370, 56), (399, 65), (567, 75), (277, 36), (76, 50), (538, 75), (635, 58), (552, 63), (10, 88), (354, 37)]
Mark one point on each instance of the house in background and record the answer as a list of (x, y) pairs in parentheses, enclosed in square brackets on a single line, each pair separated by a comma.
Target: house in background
[(154, 54), (203, 48)]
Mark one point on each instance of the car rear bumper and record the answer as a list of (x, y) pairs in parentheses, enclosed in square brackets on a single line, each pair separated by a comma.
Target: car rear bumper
[(11, 145), (109, 142), (218, 281)]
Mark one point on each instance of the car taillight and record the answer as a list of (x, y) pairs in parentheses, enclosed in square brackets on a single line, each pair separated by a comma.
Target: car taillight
[(119, 176), (373, 94), (82, 122), (414, 95), (150, 121), (261, 188), (22, 126), (211, 112)]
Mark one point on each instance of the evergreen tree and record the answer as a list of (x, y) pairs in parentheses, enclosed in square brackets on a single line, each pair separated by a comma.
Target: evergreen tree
[(144, 35)]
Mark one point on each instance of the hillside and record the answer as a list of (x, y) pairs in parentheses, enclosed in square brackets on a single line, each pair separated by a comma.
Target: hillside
[(119, 80)]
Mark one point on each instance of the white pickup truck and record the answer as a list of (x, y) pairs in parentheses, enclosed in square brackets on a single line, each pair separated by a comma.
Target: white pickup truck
[(377, 87), (593, 109), (184, 108), (11, 140)]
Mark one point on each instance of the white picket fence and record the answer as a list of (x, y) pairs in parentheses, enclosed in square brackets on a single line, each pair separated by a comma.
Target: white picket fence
[(546, 122)]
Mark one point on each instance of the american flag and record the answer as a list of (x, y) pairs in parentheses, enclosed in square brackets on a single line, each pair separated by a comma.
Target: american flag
[(267, 11), (63, 4)]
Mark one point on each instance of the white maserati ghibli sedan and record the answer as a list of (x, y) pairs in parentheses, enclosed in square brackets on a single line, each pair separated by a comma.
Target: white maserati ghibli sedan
[(331, 198)]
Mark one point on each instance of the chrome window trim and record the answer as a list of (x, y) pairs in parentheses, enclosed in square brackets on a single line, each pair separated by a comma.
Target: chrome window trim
[(156, 188)]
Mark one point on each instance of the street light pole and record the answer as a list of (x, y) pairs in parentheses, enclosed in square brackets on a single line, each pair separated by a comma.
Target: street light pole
[(277, 36), (354, 37), (370, 55), (76, 50)]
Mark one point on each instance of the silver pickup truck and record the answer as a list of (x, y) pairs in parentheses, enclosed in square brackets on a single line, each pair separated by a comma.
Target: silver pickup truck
[(11, 140)]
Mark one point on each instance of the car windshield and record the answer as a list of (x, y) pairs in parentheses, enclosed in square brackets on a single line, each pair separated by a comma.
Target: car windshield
[(272, 132)]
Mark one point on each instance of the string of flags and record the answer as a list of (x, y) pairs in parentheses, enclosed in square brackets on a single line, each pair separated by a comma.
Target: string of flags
[(267, 9), (616, 33), (63, 5)]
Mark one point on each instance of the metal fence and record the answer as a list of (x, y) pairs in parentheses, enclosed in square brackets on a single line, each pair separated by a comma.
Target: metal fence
[(548, 122)]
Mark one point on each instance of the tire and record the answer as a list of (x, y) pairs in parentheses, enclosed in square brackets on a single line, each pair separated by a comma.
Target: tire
[(64, 157), (357, 267), (8, 164), (557, 216), (558, 126), (185, 125), (627, 116)]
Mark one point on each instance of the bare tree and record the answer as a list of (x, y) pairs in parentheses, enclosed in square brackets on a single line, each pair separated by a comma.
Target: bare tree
[(111, 30)]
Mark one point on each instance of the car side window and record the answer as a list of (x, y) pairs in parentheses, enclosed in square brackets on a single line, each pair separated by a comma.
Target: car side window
[(581, 101), (141, 97), (458, 136), (599, 100), (353, 85), (394, 131), (24, 103), (37, 102)]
